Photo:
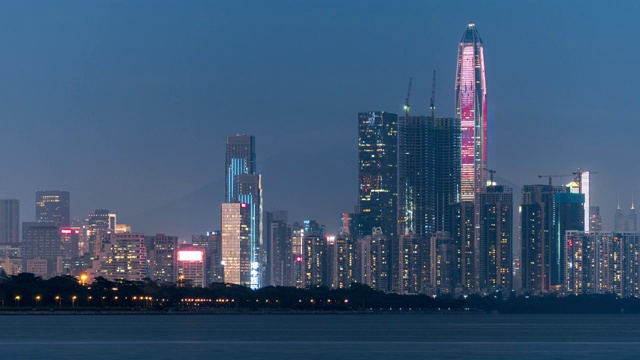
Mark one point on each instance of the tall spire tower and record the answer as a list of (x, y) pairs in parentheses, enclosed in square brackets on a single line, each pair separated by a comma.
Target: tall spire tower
[(471, 109)]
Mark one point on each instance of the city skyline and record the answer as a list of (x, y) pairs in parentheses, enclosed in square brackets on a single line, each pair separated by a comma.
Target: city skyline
[(82, 97)]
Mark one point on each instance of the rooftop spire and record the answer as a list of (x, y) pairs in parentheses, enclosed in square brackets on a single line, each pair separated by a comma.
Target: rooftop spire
[(619, 200), (632, 207)]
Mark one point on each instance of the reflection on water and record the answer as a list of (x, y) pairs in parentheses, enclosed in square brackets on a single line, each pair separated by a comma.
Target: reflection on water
[(319, 336)]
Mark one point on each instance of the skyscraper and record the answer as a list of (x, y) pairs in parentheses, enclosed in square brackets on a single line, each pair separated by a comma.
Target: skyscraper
[(240, 159), (41, 249), (236, 252), (377, 172), (53, 206), (249, 191), (545, 214), (9, 221), (495, 248), (243, 185), (471, 109)]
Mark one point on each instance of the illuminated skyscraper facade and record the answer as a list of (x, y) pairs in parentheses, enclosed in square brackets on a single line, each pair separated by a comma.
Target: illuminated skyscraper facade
[(236, 260), (377, 172), (471, 109), (53, 206), (240, 159)]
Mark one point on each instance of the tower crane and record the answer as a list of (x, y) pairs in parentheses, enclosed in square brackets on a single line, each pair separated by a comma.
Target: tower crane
[(432, 104), (406, 102), (552, 176)]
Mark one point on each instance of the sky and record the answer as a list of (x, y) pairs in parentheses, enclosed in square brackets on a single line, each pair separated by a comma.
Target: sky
[(127, 104)]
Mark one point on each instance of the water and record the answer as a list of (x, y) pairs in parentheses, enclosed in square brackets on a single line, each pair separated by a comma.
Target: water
[(319, 336)]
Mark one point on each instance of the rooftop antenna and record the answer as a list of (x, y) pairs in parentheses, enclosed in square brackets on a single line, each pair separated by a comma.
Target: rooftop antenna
[(632, 207), (433, 97)]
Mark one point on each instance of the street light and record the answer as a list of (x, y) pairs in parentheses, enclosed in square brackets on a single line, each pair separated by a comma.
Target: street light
[(18, 300), (73, 301), (83, 279), (38, 298), (59, 300)]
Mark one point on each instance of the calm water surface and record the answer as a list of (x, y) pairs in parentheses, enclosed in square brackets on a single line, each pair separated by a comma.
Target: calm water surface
[(319, 336)]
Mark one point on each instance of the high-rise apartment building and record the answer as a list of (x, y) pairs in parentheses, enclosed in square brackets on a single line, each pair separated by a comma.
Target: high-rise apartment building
[(53, 206), (9, 221), (602, 263), (377, 172), (494, 266), (471, 109)]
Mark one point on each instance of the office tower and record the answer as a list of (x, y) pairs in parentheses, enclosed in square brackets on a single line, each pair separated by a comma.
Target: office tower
[(243, 185), (471, 109), (212, 245), (236, 251), (495, 246), (41, 249), (53, 206), (249, 191), (122, 256), (602, 263), (191, 266), (595, 221), (240, 159), (101, 222), (277, 241), (70, 240), (161, 253), (568, 215), (444, 263), (377, 172), (9, 221)]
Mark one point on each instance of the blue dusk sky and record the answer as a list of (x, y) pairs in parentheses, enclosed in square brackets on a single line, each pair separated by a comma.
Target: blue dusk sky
[(127, 103)]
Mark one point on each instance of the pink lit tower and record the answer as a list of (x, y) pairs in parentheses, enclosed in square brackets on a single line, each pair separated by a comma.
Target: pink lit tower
[(471, 109)]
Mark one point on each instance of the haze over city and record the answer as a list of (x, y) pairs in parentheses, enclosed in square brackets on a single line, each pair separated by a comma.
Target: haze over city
[(127, 104)]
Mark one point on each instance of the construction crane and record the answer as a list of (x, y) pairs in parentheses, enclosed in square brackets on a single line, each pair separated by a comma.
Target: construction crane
[(552, 176), (406, 102), (432, 104)]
